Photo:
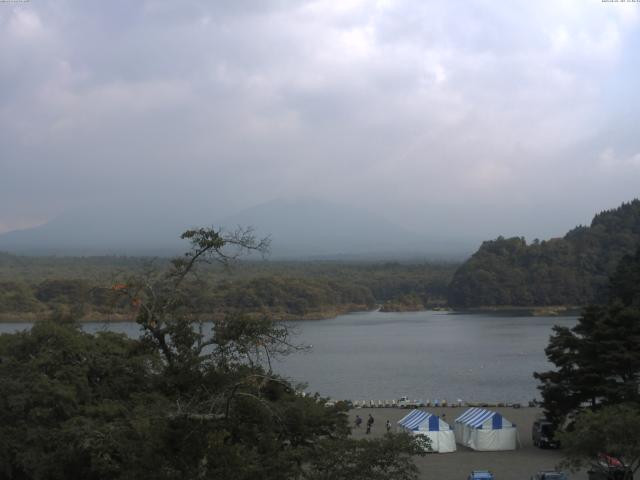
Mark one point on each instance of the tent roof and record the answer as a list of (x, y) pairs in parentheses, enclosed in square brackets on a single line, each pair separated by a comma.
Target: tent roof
[(415, 418), (475, 417)]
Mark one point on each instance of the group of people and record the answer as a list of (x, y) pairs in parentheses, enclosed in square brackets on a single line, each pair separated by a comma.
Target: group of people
[(370, 421)]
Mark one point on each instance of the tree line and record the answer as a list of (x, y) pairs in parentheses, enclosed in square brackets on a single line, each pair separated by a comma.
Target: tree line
[(572, 270), (280, 290)]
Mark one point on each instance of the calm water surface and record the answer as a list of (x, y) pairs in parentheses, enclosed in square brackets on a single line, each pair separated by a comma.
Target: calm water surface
[(425, 355)]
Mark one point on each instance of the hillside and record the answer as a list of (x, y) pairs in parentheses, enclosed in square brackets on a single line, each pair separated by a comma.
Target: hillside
[(572, 270)]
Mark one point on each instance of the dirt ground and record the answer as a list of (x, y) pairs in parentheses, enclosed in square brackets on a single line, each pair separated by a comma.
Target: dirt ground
[(520, 464)]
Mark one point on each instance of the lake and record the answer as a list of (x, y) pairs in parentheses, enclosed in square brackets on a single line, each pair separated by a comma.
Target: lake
[(424, 355)]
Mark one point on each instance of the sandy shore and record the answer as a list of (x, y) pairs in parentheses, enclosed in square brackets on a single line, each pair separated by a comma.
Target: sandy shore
[(520, 464)]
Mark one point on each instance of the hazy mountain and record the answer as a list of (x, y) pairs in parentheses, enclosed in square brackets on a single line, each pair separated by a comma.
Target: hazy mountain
[(313, 228), (299, 228), (98, 232)]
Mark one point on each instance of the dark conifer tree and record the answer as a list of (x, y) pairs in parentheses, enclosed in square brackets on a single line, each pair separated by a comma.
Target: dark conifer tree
[(597, 361)]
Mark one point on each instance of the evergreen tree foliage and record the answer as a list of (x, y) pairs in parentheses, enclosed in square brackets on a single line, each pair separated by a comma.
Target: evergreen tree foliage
[(597, 361)]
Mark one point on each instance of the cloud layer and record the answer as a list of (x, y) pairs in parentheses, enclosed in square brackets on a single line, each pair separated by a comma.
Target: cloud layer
[(479, 117)]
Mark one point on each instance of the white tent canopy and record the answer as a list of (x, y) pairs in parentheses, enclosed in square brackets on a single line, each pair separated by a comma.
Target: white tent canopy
[(419, 422), (485, 430)]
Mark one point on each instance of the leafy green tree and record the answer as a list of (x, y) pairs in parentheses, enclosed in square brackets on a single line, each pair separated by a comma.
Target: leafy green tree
[(599, 437), (348, 459), (180, 402), (74, 405), (17, 297)]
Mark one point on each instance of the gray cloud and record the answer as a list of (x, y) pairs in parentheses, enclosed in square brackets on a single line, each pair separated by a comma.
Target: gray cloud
[(508, 117)]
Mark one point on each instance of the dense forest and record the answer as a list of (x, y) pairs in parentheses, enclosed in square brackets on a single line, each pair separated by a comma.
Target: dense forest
[(175, 403), (32, 288), (572, 270)]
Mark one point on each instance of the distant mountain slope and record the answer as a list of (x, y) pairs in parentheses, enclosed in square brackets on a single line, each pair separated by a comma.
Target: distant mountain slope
[(313, 227), (306, 227), (572, 270), (299, 228), (98, 232)]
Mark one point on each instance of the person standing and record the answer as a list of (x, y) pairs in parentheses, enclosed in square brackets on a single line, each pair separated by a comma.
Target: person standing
[(369, 423), (388, 426), (358, 421)]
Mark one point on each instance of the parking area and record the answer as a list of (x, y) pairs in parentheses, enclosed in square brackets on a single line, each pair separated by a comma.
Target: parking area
[(518, 464)]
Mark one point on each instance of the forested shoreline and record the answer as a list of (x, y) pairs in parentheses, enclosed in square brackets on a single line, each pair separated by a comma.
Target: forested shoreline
[(568, 271), (33, 288)]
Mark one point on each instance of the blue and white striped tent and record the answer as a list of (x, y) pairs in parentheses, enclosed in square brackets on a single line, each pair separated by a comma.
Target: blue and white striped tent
[(485, 430), (419, 422)]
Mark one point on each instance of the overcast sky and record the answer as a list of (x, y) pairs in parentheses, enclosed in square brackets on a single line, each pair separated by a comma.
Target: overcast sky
[(482, 116)]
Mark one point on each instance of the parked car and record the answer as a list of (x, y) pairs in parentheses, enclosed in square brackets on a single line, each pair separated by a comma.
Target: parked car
[(404, 402), (480, 475), (549, 475), (542, 434), (610, 467)]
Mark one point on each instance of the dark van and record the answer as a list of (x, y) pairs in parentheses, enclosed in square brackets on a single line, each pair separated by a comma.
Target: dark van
[(542, 434)]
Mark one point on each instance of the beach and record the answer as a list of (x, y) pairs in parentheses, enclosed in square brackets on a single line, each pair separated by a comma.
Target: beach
[(518, 464)]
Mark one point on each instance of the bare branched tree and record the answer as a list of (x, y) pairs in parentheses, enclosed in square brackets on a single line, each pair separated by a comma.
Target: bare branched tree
[(164, 311), (159, 296)]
